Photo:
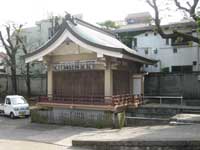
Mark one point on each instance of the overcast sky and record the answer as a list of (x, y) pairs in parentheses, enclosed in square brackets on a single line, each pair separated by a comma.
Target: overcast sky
[(29, 11)]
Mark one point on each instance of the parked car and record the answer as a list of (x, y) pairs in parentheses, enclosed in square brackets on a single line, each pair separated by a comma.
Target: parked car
[(15, 106)]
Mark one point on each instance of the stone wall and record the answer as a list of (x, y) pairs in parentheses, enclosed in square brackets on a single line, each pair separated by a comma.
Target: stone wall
[(38, 85), (75, 117), (173, 84)]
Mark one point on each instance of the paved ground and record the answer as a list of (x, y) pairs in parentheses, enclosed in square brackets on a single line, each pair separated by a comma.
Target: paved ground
[(20, 134), (147, 133)]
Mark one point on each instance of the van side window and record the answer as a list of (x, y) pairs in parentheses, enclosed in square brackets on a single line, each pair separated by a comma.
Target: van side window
[(8, 101)]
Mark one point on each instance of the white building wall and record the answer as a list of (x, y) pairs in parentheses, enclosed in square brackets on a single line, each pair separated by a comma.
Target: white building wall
[(34, 37), (167, 58)]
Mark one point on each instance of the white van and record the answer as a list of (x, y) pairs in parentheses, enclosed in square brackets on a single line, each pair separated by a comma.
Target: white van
[(15, 106)]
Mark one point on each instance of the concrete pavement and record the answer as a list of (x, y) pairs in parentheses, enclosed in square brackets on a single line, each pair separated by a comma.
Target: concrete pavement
[(20, 134), (28, 145)]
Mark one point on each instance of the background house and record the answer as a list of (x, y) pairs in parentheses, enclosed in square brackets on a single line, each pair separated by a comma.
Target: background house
[(174, 55), (34, 37)]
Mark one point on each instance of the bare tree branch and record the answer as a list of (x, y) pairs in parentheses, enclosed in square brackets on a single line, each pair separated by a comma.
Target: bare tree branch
[(191, 9), (9, 37), (188, 3), (175, 33), (5, 45), (23, 45), (177, 3)]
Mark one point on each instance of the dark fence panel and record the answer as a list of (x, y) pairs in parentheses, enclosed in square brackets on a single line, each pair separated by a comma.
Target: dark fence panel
[(173, 84)]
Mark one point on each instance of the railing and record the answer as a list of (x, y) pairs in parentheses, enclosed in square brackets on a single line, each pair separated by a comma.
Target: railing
[(125, 99), (160, 98)]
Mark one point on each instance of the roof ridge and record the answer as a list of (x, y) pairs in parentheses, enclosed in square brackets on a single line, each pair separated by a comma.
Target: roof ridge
[(95, 27)]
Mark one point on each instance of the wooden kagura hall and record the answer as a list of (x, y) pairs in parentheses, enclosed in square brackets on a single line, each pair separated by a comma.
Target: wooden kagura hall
[(91, 76)]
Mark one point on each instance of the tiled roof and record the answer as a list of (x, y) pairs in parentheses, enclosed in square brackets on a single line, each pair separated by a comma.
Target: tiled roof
[(83, 32)]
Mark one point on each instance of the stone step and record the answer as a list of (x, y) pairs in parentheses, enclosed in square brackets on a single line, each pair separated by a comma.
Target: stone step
[(185, 119), (162, 111), (144, 121), (191, 111), (192, 102), (138, 144), (179, 123)]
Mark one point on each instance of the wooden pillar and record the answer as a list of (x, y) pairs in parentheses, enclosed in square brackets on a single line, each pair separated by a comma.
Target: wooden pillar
[(50, 81), (108, 82), (108, 78), (131, 82)]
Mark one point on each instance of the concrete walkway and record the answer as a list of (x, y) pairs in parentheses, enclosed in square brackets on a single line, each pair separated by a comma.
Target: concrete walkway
[(151, 133), (27, 145), (20, 134)]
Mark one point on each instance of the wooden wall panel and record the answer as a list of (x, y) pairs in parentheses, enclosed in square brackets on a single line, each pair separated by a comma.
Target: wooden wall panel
[(78, 83), (121, 82)]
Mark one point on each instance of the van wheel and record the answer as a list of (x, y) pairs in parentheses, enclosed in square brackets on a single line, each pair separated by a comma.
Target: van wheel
[(12, 116)]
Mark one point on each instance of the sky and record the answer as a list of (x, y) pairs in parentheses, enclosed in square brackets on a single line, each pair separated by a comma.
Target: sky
[(29, 11)]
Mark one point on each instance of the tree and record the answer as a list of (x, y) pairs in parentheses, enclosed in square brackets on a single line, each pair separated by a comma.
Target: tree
[(27, 73), (108, 24), (189, 8), (11, 44)]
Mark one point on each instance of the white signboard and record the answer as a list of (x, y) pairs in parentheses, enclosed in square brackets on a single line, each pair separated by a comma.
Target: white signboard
[(137, 84), (74, 65)]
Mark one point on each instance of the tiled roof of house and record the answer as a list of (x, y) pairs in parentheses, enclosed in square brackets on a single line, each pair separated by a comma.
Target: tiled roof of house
[(149, 27)]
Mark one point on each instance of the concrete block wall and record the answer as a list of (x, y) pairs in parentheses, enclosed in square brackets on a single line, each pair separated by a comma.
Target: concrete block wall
[(75, 117), (173, 84), (38, 85)]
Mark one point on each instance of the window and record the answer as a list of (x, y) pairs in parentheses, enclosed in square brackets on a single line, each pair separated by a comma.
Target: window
[(175, 50), (130, 21), (156, 65), (181, 68), (146, 51), (155, 51), (8, 101), (167, 41), (134, 42), (166, 69), (194, 63), (146, 65)]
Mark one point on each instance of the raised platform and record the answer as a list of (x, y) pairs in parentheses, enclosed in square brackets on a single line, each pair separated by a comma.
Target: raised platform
[(78, 117)]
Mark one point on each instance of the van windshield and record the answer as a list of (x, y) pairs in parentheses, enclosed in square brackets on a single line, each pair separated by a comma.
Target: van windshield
[(18, 100)]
